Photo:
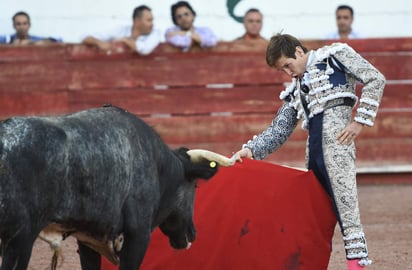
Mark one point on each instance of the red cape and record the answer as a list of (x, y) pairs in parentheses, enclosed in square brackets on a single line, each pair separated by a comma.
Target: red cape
[(254, 215)]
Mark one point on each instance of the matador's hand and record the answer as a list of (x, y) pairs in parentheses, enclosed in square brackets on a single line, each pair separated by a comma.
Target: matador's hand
[(245, 152), (349, 133)]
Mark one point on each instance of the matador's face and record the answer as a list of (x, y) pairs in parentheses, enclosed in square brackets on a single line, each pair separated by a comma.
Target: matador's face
[(293, 67)]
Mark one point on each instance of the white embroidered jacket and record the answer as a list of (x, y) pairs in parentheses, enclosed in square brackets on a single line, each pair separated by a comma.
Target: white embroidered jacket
[(332, 73)]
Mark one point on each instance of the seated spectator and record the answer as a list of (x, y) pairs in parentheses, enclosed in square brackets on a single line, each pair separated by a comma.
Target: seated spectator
[(3, 39), (184, 34), (22, 23), (344, 20), (253, 22), (139, 37)]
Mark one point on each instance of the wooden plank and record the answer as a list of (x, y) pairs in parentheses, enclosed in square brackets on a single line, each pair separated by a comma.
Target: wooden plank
[(237, 69), (180, 129), (203, 107), (372, 153), (389, 124), (32, 103), (33, 76), (397, 97), (131, 71), (192, 101), (77, 51), (384, 62), (30, 54), (367, 44), (195, 71), (183, 101), (384, 178), (385, 150)]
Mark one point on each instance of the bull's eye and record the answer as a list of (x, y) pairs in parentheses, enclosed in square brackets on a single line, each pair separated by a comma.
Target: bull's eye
[(212, 164)]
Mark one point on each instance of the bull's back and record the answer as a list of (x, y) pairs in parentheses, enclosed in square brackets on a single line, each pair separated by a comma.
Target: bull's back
[(111, 159), (26, 149), (75, 160)]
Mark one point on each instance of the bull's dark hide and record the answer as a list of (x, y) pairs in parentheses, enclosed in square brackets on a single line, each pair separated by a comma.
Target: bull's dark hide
[(100, 175)]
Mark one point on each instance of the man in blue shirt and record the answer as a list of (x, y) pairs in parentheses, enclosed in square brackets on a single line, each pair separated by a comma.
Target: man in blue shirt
[(21, 23), (3, 39)]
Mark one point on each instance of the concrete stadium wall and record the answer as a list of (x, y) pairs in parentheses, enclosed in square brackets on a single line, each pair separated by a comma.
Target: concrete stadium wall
[(73, 19)]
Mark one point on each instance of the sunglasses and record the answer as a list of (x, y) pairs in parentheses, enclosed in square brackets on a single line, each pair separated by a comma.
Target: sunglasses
[(181, 15)]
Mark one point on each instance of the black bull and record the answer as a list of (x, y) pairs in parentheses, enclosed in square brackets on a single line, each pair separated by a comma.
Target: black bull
[(102, 176)]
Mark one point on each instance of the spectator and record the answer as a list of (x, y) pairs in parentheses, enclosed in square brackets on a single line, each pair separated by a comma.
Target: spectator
[(22, 23), (344, 20), (3, 39), (323, 94), (139, 37), (184, 34), (252, 21)]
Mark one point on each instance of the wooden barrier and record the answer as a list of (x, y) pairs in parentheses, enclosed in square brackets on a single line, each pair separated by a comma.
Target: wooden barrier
[(215, 99)]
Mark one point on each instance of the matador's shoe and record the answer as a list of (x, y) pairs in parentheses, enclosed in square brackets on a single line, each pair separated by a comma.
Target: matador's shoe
[(354, 265), (356, 251)]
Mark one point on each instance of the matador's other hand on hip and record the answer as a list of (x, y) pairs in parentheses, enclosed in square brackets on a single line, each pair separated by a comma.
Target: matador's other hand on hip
[(349, 133)]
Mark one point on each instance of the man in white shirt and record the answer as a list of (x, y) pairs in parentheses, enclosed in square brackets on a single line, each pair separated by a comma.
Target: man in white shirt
[(140, 37), (344, 20)]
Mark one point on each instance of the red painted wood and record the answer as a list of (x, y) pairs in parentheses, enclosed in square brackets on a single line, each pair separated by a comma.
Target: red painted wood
[(182, 101), (76, 51), (241, 128), (180, 129), (202, 70), (195, 71), (376, 153), (397, 97), (386, 62), (385, 178), (368, 45), (57, 79), (194, 101), (32, 103), (13, 54), (78, 67), (33, 76)]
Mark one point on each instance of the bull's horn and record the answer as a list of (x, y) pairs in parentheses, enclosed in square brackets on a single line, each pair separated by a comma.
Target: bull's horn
[(197, 155)]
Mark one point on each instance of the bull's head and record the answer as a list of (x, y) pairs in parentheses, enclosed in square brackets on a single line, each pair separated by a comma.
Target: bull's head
[(178, 226)]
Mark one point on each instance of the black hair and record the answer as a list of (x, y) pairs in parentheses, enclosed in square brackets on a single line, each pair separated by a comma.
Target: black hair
[(21, 13), (138, 11), (252, 10), (345, 7), (179, 5)]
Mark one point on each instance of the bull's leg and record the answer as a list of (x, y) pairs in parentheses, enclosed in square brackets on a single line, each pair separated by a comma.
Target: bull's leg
[(89, 259), (134, 249), (16, 252), (136, 230)]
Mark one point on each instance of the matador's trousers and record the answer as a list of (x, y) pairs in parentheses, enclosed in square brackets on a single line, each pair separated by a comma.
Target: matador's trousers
[(334, 165)]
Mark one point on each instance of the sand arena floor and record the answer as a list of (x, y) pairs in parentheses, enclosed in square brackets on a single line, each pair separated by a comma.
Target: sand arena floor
[(386, 213)]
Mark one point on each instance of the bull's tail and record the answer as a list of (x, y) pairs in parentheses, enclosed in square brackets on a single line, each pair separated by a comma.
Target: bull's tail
[(54, 239), (54, 261), (57, 253)]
